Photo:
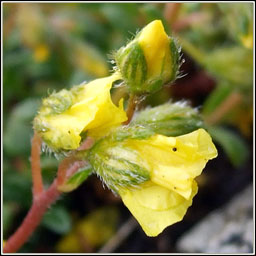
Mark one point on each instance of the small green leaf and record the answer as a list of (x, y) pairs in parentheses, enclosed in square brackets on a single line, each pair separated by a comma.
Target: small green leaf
[(216, 98), (76, 180), (58, 220), (233, 145)]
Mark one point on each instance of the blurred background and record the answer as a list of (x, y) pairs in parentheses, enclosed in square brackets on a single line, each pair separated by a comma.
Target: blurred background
[(50, 46)]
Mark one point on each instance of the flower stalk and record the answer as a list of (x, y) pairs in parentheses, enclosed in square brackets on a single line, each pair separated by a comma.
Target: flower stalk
[(35, 166), (130, 109), (40, 205), (42, 199)]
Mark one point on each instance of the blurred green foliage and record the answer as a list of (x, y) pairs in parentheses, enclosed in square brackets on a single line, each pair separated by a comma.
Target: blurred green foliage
[(57, 219), (219, 37), (91, 231), (50, 46)]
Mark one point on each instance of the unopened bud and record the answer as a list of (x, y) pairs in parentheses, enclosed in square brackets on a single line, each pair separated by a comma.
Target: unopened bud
[(149, 61)]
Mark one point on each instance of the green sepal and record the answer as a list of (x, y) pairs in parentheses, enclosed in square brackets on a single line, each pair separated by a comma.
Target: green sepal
[(115, 164), (57, 102), (132, 132), (169, 119), (176, 59), (133, 67)]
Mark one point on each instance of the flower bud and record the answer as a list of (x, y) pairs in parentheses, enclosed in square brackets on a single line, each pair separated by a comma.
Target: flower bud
[(149, 61), (116, 165), (169, 119)]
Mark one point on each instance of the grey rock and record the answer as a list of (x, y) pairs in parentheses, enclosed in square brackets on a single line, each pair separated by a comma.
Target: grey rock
[(226, 230)]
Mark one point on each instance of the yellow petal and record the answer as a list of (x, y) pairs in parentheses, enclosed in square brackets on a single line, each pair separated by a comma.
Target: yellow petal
[(93, 111), (175, 161), (156, 207), (107, 118), (155, 45)]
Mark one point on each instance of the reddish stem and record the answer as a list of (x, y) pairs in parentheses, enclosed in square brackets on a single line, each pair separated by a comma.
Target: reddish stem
[(86, 144), (35, 166), (33, 218), (42, 199), (62, 169), (171, 12), (130, 109)]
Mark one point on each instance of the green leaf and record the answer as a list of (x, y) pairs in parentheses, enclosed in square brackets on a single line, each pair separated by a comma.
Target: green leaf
[(233, 145), (232, 64), (18, 130), (8, 216), (76, 180), (17, 187), (216, 98), (58, 220)]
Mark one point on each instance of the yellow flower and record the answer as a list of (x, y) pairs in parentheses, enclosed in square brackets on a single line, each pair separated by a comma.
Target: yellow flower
[(173, 163), (86, 108)]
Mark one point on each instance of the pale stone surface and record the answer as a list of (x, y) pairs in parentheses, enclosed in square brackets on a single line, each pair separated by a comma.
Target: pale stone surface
[(226, 230)]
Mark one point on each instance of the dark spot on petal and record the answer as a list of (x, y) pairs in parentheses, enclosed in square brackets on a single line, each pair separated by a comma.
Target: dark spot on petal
[(174, 149)]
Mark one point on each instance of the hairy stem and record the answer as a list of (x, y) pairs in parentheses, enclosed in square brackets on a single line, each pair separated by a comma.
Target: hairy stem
[(35, 166), (86, 144), (33, 218), (42, 199), (62, 169)]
